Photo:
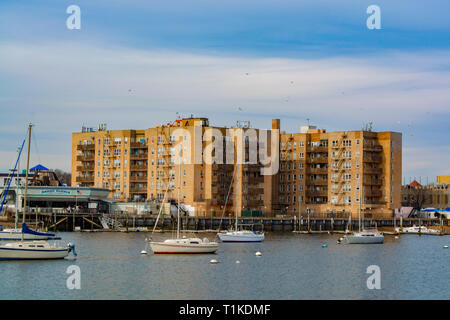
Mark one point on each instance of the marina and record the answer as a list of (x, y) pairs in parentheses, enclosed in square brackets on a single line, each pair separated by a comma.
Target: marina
[(291, 266)]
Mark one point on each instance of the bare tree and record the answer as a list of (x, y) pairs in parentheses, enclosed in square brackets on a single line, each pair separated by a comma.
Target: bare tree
[(64, 177)]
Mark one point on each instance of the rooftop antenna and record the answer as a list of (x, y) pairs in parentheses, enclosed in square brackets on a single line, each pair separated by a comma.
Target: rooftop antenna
[(307, 119)]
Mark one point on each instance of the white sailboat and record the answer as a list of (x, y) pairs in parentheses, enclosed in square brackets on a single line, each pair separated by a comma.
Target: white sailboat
[(17, 233), (32, 250), (184, 244), (240, 235), (365, 236)]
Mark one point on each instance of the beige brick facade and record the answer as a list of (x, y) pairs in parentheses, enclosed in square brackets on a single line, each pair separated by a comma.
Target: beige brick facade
[(318, 171)]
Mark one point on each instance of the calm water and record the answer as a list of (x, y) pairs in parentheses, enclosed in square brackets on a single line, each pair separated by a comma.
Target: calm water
[(291, 267)]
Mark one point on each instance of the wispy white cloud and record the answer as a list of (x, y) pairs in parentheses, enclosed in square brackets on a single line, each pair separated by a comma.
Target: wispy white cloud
[(59, 86)]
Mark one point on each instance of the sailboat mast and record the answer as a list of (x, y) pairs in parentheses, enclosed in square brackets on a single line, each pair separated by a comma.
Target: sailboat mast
[(17, 194), (26, 177), (179, 191), (237, 195)]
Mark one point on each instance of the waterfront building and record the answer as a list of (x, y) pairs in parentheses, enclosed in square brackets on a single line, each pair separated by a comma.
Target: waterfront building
[(418, 196), (443, 180), (322, 173), (310, 172), (142, 165)]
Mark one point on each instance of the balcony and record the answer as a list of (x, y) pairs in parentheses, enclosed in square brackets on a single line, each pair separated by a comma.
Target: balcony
[(85, 168), (375, 148), (251, 178), (317, 182), (373, 182), (85, 179), (373, 193), (318, 170), (138, 178), (373, 170), (253, 203), (138, 190), (254, 191), (318, 149), (139, 156), (317, 160), (88, 157), (86, 147), (372, 159), (317, 193), (138, 145), (137, 167)]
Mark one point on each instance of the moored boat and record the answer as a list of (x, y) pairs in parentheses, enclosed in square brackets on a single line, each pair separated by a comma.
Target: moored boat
[(366, 236), (241, 236), (34, 250), (418, 230), (184, 245)]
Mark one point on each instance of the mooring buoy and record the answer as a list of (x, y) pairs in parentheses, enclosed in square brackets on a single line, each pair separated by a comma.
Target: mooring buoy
[(213, 261), (143, 252), (258, 254)]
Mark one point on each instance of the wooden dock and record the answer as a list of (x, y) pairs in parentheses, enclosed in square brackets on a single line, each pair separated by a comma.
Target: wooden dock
[(93, 222)]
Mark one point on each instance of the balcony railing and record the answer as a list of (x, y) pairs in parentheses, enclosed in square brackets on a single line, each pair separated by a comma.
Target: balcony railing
[(373, 170), (318, 182), (85, 179), (85, 168), (89, 157), (138, 145), (372, 159), (138, 178), (86, 147), (139, 156), (318, 149), (138, 190), (318, 170), (375, 148), (137, 167), (374, 182), (317, 160)]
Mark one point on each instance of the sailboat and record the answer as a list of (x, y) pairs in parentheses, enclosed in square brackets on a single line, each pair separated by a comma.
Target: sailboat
[(237, 235), (16, 233), (365, 236), (32, 250), (184, 244)]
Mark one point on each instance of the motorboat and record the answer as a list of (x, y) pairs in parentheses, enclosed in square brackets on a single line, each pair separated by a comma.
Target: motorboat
[(416, 230)]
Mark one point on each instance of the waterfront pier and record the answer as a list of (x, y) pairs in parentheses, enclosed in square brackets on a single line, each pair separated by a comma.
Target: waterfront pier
[(86, 221)]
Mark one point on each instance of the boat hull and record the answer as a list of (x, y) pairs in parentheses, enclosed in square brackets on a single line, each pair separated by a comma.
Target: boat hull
[(28, 254), (365, 240), (160, 248), (236, 237)]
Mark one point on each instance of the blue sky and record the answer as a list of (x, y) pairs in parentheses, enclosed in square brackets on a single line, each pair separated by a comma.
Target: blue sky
[(304, 59)]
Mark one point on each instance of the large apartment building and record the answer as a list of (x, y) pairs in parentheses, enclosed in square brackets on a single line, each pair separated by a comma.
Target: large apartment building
[(336, 172), (144, 165), (308, 172)]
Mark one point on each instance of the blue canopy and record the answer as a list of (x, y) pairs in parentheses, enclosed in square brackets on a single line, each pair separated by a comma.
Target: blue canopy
[(25, 229), (39, 167)]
